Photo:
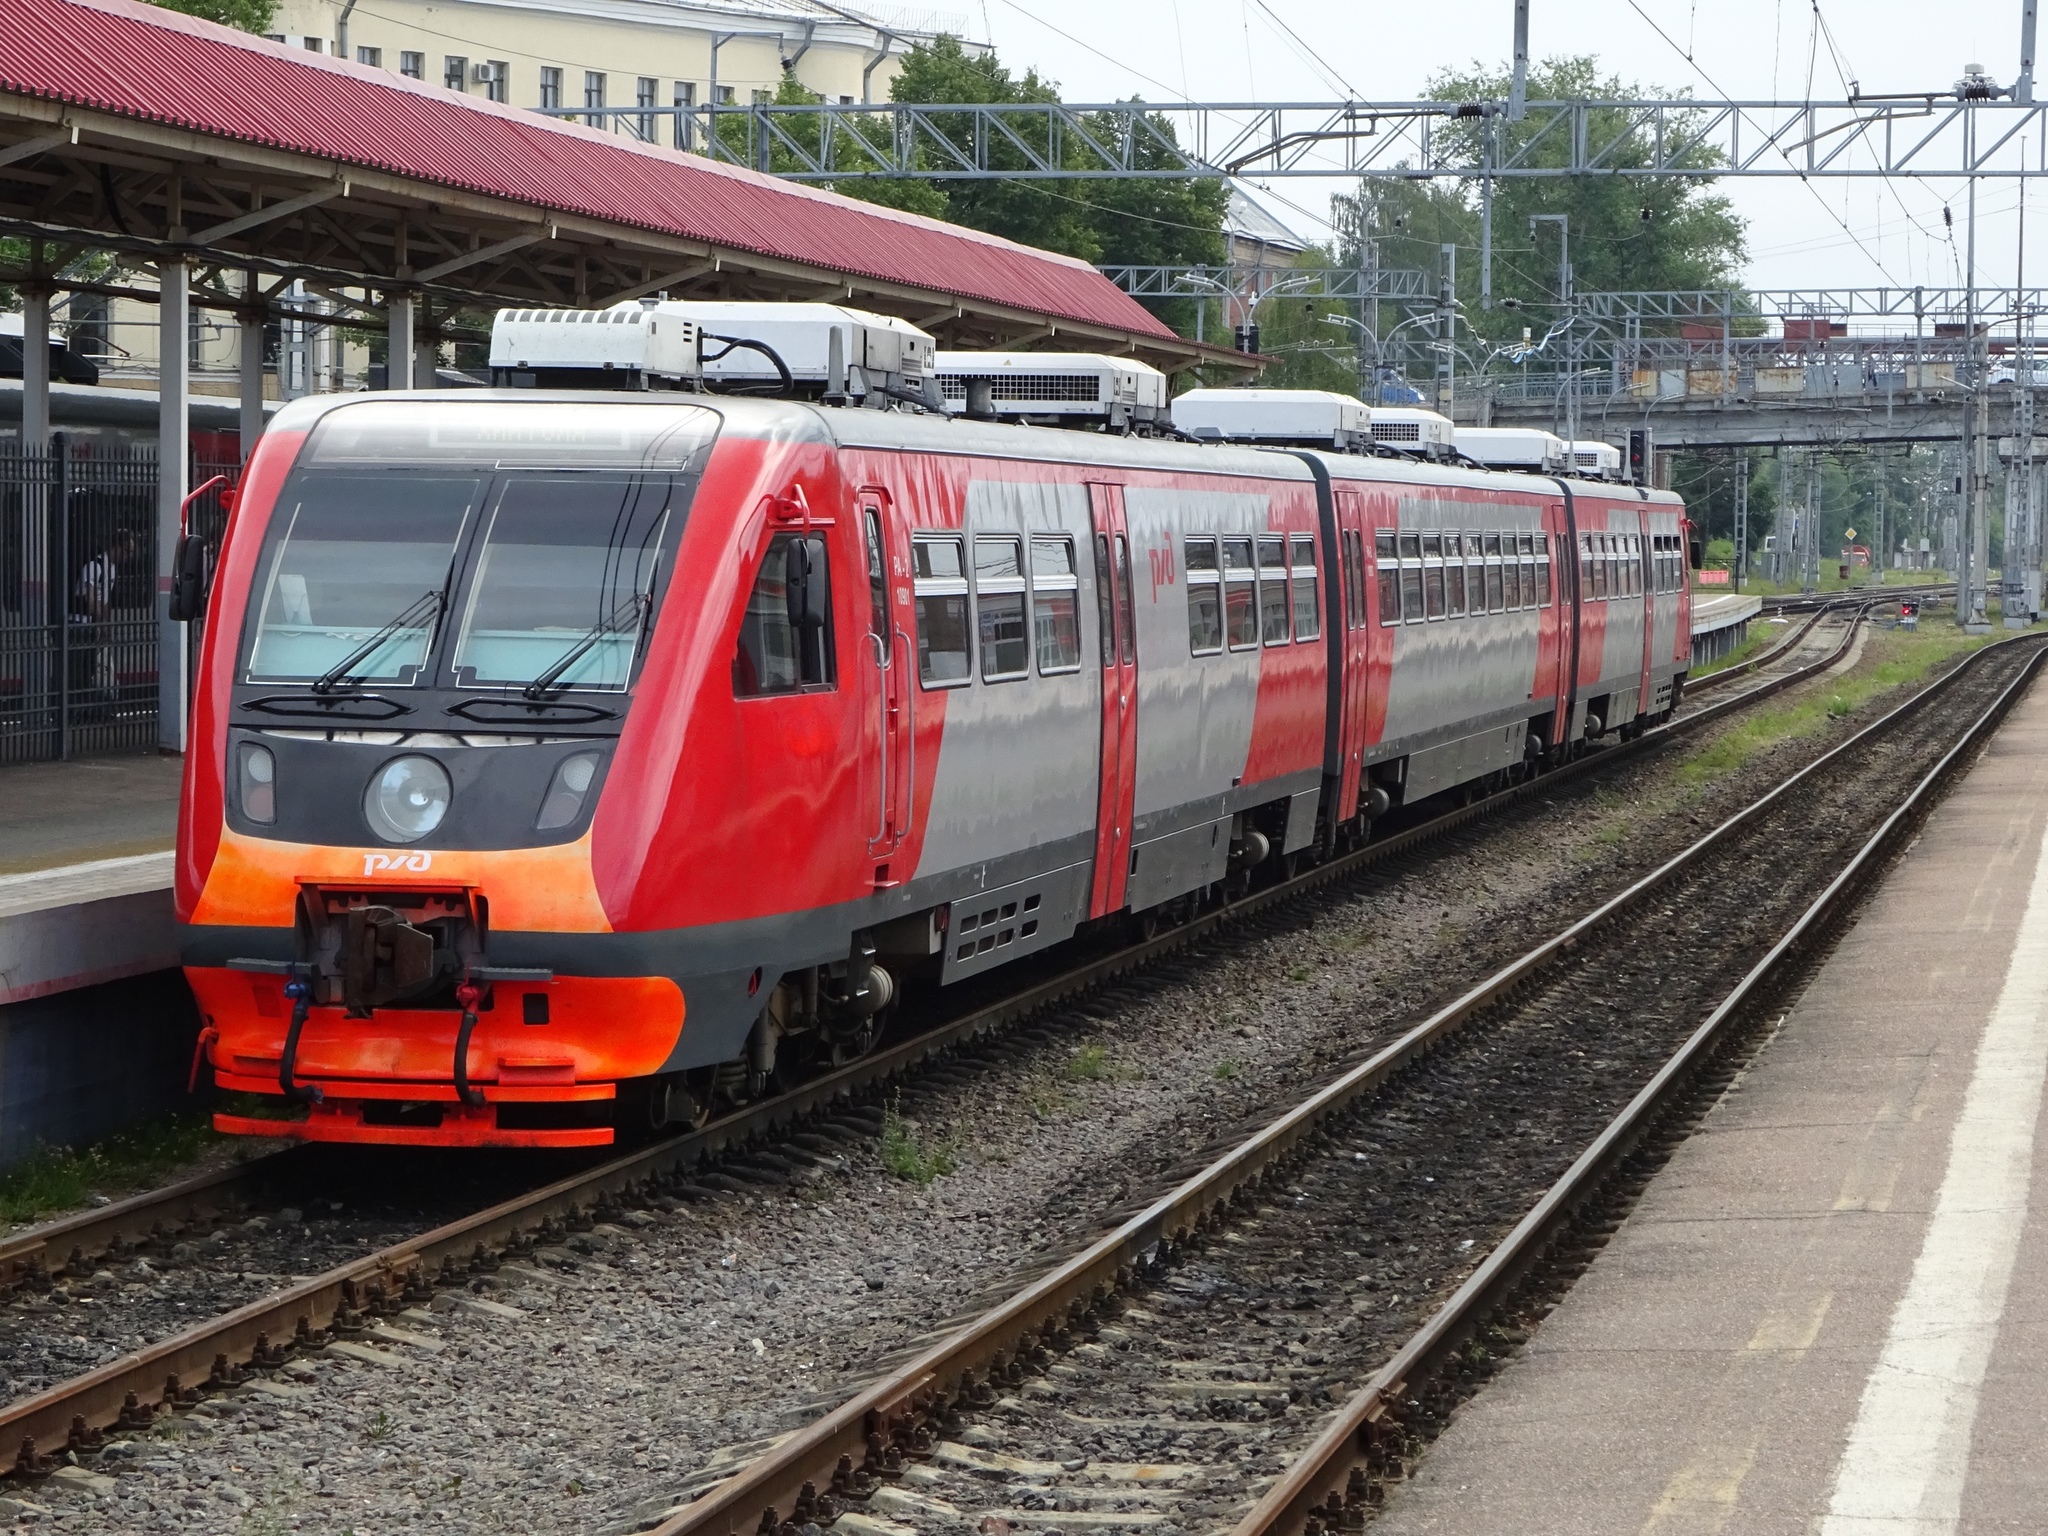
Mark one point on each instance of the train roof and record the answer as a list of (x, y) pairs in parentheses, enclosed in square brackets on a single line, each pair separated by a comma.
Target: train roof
[(792, 420)]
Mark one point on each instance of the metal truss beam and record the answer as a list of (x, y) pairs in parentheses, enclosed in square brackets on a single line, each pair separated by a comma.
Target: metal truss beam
[(1391, 283), (1930, 137)]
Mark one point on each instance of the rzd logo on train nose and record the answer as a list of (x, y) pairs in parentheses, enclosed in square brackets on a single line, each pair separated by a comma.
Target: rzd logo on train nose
[(410, 863)]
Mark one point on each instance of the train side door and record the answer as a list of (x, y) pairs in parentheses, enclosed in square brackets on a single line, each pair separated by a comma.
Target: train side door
[(1354, 539), (889, 660), (1119, 659)]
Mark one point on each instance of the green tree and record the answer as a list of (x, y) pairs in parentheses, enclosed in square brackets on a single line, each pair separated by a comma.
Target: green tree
[(1167, 221), (248, 15)]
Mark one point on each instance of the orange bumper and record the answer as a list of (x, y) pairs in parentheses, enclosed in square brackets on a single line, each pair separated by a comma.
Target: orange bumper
[(390, 1078)]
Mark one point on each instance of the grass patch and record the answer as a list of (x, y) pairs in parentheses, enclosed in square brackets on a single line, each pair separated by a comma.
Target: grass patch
[(58, 1178), (1088, 1064), (1893, 658), (1225, 1071), (910, 1157)]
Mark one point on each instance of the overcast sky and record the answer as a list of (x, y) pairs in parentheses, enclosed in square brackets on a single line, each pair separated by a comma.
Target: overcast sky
[(1748, 49)]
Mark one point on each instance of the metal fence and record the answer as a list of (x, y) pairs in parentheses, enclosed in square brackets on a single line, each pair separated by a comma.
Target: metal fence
[(78, 633)]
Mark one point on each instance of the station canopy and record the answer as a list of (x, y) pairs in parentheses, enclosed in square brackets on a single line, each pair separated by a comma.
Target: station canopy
[(140, 131)]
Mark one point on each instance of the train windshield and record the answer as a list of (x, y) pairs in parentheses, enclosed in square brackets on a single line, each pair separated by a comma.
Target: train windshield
[(356, 584), (500, 544), (564, 581)]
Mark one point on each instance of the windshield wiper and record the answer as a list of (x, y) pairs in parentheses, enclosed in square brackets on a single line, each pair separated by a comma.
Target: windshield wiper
[(427, 607), (631, 608)]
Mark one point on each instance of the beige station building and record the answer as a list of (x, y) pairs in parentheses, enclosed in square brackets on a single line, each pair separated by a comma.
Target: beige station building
[(526, 53)]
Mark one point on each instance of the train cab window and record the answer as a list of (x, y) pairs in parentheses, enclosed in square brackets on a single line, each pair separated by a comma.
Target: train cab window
[(999, 604), (939, 566), (785, 642), (1055, 605), (1273, 615), (1389, 569), (1240, 595), (1543, 569), (1454, 574), (1496, 586), (1308, 613), (1205, 597)]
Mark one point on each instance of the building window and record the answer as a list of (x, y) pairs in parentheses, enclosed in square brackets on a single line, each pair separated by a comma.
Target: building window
[(846, 101), (499, 86), (593, 96), (454, 72), (412, 65), (646, 93), (374, 57), (762, 98), (314, 44), (686, 101), (724, 96), (550, 87), (273, 37)]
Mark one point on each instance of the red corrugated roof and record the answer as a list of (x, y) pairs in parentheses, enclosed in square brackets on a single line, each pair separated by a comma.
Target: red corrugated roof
[(141, 62)]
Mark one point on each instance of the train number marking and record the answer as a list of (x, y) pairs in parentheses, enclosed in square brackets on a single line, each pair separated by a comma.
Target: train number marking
[(410, 863)]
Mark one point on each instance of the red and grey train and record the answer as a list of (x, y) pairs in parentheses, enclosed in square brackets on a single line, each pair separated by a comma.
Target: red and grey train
[(565, 761)]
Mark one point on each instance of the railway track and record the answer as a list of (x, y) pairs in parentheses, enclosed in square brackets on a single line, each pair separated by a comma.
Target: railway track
[(214, 1355), (1243, 1352)]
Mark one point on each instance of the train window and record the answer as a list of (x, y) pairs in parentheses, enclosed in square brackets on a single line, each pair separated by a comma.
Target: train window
[(1454, 574), (1543, 569), (878, 580), (1388, 566), (1585, 567), (344, 566), (1353, 577), (774, 654), (1525, 545), (943, 645), (1432, 575), (1126, 627), (1475, 573), (1411, 579), (1521, 589), (1205, 597), (563, 584), (1273, 590), (1105, 601), (1240, 595), (1496, 587), (1603, 567), (999, 605), (1308, 613), (1055, 605)]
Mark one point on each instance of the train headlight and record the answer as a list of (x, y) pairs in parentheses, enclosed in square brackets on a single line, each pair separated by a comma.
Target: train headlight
[(563, 802), (407, 798), (256, 782)]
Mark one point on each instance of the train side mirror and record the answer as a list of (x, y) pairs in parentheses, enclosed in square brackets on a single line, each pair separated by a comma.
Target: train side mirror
[(803, 583), (1696, 552), (188, 579)]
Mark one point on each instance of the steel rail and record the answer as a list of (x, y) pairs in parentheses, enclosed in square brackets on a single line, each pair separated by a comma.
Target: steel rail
[(1292, 1500), (1762, 659), (215, 1351), (879, 1420), (136, 1221)]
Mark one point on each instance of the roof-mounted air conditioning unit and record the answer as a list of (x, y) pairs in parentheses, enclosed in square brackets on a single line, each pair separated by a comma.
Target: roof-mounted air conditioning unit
[(1304, 418), (1411, 429), (1596, 460), (809, 351), (1523, 448), (1056, 388)]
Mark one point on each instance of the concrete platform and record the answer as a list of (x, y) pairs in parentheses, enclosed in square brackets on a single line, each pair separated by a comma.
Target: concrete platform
[(1829, 1313), (96, 1023)]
